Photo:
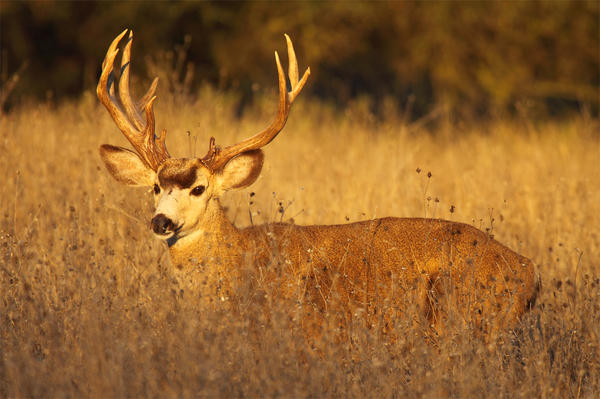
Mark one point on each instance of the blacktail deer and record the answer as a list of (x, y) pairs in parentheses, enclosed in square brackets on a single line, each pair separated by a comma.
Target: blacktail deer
[(371, 270)]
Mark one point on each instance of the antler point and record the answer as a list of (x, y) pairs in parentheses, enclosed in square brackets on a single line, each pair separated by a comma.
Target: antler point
[(118, 38)]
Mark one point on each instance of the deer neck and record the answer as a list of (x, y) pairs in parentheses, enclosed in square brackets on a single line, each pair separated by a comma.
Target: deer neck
[(217, 243), (206, 262)]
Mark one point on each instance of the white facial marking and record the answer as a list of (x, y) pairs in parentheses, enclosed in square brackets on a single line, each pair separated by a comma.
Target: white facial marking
[(184, 209)]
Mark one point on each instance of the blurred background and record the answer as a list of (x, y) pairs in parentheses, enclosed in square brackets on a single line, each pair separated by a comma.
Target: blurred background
[(468, 60)]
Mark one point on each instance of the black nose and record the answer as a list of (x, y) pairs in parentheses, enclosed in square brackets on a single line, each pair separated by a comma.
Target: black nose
[(161, 224)]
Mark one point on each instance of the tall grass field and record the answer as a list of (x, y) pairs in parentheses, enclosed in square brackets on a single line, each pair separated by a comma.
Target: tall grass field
[(90, 307)]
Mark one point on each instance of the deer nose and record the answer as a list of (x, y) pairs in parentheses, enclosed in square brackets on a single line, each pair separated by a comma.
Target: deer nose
[(161, 224)]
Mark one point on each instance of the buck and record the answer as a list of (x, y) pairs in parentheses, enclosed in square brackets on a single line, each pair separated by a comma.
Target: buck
[(371, 270)]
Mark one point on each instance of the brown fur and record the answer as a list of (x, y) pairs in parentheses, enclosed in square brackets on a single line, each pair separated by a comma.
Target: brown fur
[(178, 173), (378, 268)]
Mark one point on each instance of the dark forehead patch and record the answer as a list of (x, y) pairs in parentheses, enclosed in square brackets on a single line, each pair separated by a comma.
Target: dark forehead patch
[(178, 172)]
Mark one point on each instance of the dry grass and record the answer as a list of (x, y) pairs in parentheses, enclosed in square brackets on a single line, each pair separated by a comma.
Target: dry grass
[(89, 307)]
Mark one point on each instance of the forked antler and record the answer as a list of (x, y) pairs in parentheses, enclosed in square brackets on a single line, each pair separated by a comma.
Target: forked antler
[(217, 157), (128, 115)]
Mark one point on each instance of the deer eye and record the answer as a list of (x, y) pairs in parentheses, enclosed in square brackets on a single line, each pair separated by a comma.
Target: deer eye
[(156, 189), (198, 190)]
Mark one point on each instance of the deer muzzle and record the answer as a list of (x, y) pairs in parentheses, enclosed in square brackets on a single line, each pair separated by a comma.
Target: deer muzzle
[(162, 225)]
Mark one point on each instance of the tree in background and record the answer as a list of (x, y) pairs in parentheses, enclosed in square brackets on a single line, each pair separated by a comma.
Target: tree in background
[(471, 59)]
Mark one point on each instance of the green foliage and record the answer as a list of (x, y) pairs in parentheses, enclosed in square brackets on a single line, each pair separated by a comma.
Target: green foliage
[(464, 58)]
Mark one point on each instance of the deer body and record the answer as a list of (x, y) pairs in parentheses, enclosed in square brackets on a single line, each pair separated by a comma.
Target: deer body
[(376, 270), (372, 265)]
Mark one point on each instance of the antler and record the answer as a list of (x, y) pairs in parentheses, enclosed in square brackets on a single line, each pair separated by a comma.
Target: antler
[(217, 157), (128, 115)]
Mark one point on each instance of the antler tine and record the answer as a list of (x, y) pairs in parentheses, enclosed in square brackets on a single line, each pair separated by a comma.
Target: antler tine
[(149, 94), (112, 49), (133, 113), (293, 63), (293, 72), (127, 114), (105, 88), (217, 158)]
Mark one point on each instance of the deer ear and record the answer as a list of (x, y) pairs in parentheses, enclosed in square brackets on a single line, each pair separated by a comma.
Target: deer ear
[(241, 171), (126, 166)]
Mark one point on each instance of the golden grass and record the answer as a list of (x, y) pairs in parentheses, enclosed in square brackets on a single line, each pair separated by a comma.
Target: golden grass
[(89, 307)]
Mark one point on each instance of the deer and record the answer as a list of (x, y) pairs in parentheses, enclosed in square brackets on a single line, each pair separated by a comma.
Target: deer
[(368, 271)]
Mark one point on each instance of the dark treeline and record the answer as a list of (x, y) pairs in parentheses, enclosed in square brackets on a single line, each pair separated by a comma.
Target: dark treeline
[(475, 59)]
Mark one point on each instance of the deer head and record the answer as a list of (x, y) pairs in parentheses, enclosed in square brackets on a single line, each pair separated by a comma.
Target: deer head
[(183, 188)]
